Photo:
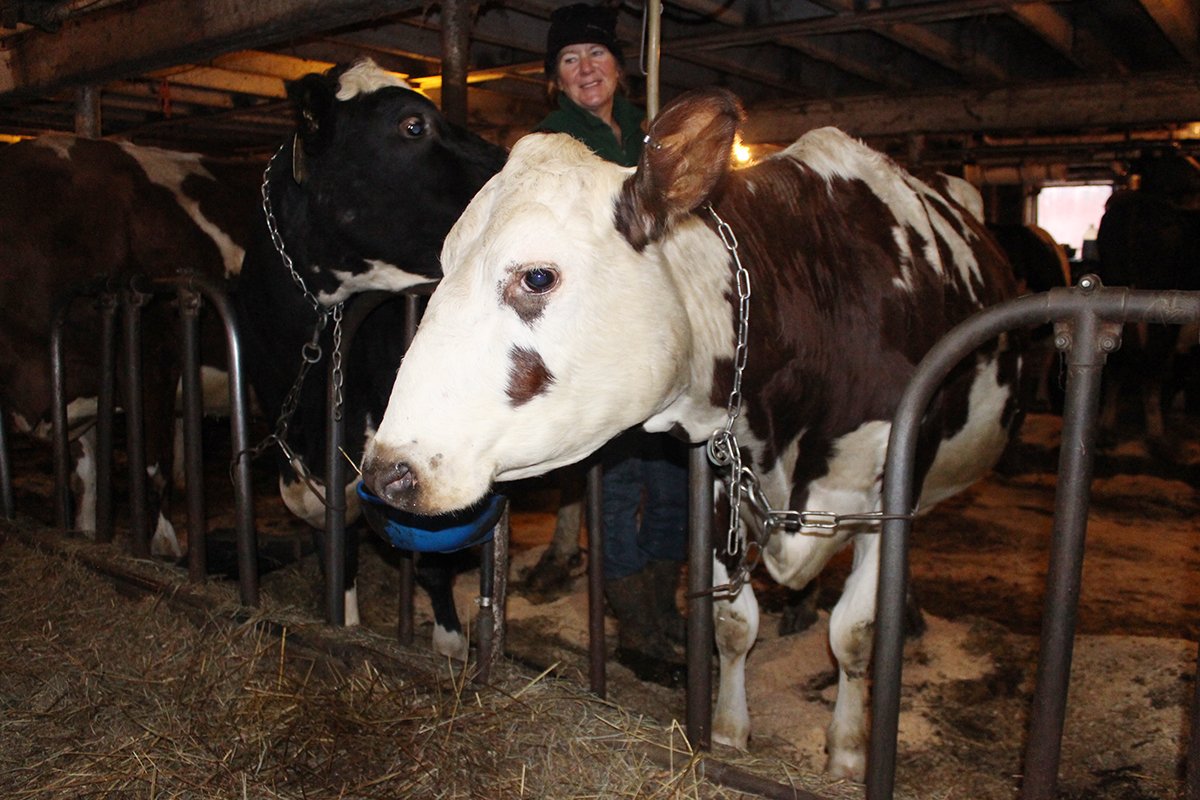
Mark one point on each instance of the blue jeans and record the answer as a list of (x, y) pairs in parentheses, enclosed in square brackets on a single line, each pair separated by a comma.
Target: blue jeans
[(637, 463)]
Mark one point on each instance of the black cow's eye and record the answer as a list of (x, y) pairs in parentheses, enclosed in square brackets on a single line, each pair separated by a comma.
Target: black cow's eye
[(540, 279), (414, 127)]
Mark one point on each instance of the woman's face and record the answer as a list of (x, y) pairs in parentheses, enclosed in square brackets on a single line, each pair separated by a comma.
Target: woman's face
[(589, 74)]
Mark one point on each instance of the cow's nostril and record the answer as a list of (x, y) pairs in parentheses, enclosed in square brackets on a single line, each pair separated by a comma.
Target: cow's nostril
[(396, 484)]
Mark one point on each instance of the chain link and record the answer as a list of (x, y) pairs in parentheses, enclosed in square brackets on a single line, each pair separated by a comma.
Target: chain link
[(723, 451), (277, 239), (310, 353)]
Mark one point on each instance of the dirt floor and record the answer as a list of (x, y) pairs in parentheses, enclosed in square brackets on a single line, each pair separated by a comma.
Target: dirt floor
[(978, 564)]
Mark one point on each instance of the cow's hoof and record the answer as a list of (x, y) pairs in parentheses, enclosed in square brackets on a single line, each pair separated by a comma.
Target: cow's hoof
[(848, 765), (738, 741)]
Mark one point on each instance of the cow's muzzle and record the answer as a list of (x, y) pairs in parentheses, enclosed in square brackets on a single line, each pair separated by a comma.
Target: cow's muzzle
[(394, 482)]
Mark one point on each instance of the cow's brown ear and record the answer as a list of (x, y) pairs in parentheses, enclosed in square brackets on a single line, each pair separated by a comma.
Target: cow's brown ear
[(687, 153)]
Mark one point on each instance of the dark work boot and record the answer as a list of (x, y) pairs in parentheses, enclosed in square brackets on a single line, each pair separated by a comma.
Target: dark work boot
[(664, 578), (641, 645)]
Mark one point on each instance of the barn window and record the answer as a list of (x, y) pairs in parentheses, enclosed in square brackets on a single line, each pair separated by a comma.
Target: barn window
[(1072, 213)]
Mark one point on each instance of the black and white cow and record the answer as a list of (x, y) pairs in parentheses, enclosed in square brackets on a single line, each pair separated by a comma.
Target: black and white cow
[(581, 298), (362, 198), (73, 209)]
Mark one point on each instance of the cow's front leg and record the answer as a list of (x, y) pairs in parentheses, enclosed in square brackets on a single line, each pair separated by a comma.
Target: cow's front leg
[(736, 624), (851, 633)]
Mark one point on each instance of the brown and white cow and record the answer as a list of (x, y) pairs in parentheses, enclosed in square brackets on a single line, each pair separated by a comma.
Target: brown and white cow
[(581, 298)]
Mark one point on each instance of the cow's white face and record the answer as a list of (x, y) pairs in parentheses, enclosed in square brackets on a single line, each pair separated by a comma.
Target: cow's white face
[(517, 367)]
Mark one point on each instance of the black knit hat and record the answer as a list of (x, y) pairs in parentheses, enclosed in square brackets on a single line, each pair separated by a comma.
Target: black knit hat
[(581, 24)]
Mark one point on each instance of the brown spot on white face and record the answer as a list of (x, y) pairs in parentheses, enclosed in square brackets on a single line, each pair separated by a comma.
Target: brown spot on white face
[(528, 288), (527, 376)]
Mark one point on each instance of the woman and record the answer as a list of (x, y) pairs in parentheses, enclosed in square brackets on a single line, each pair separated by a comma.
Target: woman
[(642, 562)]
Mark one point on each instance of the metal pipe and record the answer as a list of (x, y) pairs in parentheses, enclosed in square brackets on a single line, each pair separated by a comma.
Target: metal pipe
[(898, 492), (1088, 344), (700, 602), (485, 623), (247, 538), (193, 414), (58, 416), (87, 112), (135, 430), (499, 567), (653, 56), (456, 51), (106, 409), (335, 495), (595, 529)]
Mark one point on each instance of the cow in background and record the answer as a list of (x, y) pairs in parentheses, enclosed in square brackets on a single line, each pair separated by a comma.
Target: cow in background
[(72, 209), (1039, 264), (362, 198), (1149, 238), (581, 298)]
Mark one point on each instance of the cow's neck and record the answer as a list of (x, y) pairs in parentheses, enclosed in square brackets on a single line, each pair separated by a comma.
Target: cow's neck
[(699, 266)]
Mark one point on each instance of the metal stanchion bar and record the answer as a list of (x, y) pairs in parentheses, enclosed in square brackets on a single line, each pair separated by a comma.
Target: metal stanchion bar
[(58, 415), (595, 528), (485, 623), (239, 425), (106, 409), (700, 601), (1043, 749), (898, 490), (135, 430), (193, 448), (335, 495)]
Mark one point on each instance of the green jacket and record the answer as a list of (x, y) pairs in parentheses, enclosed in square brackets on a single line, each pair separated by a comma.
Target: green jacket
[(592, 131)]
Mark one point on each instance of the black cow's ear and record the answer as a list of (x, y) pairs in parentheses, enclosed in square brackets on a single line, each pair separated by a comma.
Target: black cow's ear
[(312, 99), (686, 155)]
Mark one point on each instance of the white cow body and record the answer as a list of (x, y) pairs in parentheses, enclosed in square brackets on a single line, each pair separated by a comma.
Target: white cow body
[(581, 298)]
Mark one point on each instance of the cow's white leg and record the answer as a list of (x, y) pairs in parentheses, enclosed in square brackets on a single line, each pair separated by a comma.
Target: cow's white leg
[(736, 624), (85, 482), (851, 634), (452, 644), (351, 600), (164, 543)]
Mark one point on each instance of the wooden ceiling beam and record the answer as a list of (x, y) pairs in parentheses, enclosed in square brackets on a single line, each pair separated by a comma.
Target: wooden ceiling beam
[(842, 22), (974, 65), (1180, 22), (1078, 45), (1153, 99), (117, 43)]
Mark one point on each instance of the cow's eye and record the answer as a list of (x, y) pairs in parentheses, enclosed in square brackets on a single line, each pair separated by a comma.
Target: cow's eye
[(414, 127), (539, 279)]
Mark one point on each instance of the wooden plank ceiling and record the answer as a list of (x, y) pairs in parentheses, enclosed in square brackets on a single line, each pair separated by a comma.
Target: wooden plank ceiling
[(1078, 83)]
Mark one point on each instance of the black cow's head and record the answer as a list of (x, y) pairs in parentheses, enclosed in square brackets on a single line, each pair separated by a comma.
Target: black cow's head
[(378, 177)]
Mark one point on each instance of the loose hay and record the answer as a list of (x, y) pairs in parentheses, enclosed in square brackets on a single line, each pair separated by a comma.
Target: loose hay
[(104, 696)]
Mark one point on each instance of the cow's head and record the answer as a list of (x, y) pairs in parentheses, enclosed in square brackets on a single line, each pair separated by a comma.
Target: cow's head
[(559, 322), (374, 179)]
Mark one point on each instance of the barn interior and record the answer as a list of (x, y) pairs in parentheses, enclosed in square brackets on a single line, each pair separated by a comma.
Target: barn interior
[(1014, 94), (1017, 96)]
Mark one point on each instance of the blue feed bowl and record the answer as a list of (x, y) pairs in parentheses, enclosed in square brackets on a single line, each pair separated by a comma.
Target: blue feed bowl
[(441, 534)]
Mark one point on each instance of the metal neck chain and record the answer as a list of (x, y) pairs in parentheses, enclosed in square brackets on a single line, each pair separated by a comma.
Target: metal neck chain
[(310, 354), (724, 452)]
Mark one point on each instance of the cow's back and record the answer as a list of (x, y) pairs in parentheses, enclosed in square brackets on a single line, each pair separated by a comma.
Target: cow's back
[(859, 269)]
